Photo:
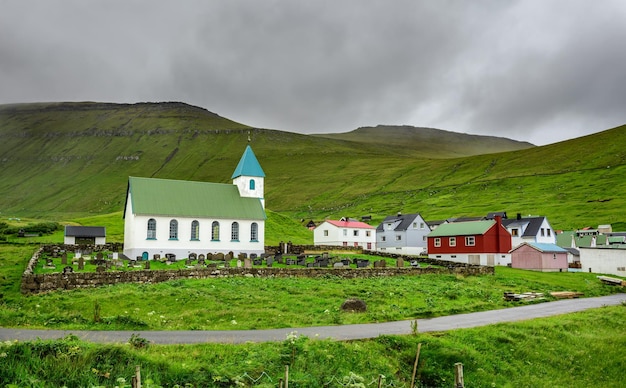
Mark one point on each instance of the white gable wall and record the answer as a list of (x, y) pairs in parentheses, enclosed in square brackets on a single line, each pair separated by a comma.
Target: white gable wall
[(243, 184)]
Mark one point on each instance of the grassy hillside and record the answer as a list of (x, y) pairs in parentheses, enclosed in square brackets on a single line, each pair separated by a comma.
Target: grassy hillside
[(72, 160), (430, 142)]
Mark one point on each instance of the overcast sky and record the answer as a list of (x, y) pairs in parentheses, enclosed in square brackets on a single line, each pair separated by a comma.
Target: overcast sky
[(536, 70)]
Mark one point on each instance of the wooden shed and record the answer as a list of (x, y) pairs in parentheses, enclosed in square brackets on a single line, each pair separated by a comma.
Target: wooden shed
[(539, 257)]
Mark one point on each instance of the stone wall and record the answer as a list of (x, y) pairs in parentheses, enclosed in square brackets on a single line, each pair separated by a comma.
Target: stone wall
[(40, 283)]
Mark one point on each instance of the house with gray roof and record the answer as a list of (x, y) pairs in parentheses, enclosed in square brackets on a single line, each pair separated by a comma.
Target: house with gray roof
[(535, 229), (84, 235), (176, 218), (402, 234)]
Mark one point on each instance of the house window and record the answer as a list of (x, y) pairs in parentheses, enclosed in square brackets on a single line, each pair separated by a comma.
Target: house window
[(414, 225), (355, 233), (252, 184), (389, 226), (195, 230), (234, 232), (345, 243), (368, 233), (325, 233), (369, 246), (514, 232), (345, 232), (254, 232), (383, 238), (398, 238), (356, 244), (173, 230), (549, 233), (452, 241), (437, 242), (421, 225), (215, 231), (151, 229), (470, 241), (543, 232)]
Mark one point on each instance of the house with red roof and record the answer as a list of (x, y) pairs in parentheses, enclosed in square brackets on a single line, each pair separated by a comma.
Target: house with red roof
[(345, 232), (485, 242)]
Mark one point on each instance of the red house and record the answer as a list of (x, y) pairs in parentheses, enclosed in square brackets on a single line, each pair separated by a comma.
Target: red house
[(472, 242)]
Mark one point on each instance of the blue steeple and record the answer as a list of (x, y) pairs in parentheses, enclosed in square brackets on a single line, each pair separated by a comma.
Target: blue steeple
[(248, 165)]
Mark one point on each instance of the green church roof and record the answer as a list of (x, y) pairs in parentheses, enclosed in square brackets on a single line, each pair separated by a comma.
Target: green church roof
[(248, 165), (175, 198), (468, 228)]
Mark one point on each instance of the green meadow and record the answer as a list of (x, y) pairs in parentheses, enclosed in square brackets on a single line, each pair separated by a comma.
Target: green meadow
[(69, 163)]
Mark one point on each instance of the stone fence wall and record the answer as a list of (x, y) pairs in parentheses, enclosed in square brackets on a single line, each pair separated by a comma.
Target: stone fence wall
[(39, 283)]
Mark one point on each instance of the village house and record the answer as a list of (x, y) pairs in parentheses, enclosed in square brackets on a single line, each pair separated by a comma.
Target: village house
[(604, 259), (345, 232), (84, 235), (402, 234), (529, 229), (542, 257), (176, 218), (485, 242)]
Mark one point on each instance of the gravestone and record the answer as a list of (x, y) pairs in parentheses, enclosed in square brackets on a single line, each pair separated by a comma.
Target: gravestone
[(131, 263), (290, 262), (64, 259), (247, 263), (219, 256), (193, 257), (415, 264), (338, 264), (68, 269), (238, 263), (81, 263), (49, 263), (346, 262), (362, 263), (156, 256), (380, 264), (147, 264), (400, 262), (325, 255), (116, 256), (229, 256), (209, 256), (301, 260), (201, 260), (257, 261), (188, 262), (269, 260), (253, 256)]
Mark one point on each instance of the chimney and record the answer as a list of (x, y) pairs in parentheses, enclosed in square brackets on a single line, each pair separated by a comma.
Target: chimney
[(399, 214), (519, 216)]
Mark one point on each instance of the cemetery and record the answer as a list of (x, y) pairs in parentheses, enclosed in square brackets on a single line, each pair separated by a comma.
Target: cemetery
[(59, 267)]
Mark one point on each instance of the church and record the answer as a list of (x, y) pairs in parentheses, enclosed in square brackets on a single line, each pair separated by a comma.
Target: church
[(175, 218)]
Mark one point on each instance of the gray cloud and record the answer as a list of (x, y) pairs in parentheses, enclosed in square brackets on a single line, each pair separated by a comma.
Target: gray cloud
[(540, 71)]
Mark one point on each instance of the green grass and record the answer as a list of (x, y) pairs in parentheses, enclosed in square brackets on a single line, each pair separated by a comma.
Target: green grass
[(575, 350), (75, 159)]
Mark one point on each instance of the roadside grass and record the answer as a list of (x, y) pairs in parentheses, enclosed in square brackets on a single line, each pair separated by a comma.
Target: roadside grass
[(574, 350), (260, 303)]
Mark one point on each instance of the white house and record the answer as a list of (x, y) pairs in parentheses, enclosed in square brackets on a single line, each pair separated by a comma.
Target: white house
[(173, 217), (402, 234), (345, 233), (89, 235), (529, 230), (603, 260)]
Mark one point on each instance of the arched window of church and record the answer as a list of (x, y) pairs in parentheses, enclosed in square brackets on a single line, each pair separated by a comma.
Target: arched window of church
[(252, 184), (151, 229), (254, 232), (195, 230), (215, 231), (234, 232), (173, 230)]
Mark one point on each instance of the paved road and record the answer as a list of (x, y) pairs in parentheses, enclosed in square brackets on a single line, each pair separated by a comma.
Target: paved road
[(344, 332)]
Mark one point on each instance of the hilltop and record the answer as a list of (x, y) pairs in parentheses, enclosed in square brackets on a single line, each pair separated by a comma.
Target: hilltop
[(68, 160), (430, 142)]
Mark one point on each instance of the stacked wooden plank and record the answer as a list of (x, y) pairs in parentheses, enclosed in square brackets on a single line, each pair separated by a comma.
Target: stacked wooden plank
[(511, 296), (612, 281), (566, 294)]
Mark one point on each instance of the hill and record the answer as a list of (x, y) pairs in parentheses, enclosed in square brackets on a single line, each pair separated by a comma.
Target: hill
[(69, 160), (430, 142)]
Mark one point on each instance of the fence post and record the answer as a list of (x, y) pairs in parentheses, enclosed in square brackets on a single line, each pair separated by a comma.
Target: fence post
[(458, 375), (286, 376), (417, 357), (136, 380)]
